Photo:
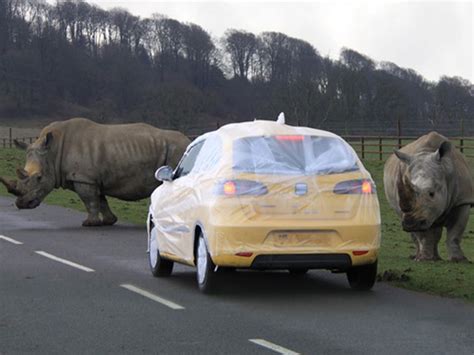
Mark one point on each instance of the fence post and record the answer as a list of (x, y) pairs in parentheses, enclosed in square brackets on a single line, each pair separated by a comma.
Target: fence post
[(399, 133), (461, 141), (10, 136), (362, 147), (380, 149)]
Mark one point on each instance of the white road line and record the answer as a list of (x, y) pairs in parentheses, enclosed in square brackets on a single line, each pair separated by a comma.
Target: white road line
[(11, 240), (153, 297), (64, 261), (277, 348)]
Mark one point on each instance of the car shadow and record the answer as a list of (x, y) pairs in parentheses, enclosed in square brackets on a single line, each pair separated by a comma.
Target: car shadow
[(271, 284)]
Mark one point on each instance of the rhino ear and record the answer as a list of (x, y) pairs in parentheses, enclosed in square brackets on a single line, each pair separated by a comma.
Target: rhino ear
[(47, 141), (443, 149), (20, 145), (404, 157)]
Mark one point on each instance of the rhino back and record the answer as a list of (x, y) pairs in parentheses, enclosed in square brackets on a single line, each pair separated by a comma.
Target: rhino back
[(120, 159)]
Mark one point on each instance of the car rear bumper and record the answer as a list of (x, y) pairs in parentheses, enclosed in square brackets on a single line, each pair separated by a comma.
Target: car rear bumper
[(328, 247), (303, 261)]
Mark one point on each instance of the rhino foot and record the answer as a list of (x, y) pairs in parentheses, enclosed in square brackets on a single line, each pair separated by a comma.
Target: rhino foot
[(427, 258), (92, 223), (459, 259), (109, 221)]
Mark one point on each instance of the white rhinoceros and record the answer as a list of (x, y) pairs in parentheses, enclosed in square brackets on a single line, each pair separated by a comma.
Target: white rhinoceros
[(95, 161), (429, 184)]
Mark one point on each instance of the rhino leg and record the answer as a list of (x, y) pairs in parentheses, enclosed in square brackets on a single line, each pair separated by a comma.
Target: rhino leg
[(428, 241), (417, 246), (456, 227), (89, 194), (108, 218)]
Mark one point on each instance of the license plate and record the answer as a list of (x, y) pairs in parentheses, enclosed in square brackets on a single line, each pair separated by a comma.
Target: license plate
[(301, 239)]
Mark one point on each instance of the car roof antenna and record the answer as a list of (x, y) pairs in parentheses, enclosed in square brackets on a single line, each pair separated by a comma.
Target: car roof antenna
[(281, 118)]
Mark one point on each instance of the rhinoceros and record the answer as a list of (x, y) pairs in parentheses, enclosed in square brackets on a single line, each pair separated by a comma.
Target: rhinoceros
[(95, 161), (429, 185)]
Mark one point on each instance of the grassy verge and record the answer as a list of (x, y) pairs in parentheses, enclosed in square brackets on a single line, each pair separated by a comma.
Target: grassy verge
[(442, 278)]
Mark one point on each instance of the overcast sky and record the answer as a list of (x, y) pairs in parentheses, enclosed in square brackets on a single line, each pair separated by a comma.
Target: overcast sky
[(433, 37)]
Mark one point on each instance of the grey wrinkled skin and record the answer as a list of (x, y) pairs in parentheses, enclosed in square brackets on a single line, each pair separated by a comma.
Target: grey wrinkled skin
[(95, 161), (429, 185)]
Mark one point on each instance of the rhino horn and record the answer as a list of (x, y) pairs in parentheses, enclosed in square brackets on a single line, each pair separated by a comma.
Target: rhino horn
[(406, 193), (11, 186), (21, 173)]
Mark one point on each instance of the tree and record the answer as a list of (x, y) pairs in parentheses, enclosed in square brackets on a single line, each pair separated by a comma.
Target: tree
[(199, 49), (241, 47)]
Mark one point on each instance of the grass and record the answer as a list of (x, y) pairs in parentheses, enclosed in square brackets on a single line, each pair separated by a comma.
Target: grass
[(441, 278)]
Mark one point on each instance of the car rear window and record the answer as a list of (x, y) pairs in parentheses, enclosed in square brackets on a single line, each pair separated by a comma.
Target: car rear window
[(293, 154)]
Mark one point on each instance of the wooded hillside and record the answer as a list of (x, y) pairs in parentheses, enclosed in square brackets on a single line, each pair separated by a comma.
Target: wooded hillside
[(76, 59)]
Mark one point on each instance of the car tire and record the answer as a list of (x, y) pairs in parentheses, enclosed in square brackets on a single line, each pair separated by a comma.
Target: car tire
[(205, 275), (298, 271), (362, 278), (159, 266)]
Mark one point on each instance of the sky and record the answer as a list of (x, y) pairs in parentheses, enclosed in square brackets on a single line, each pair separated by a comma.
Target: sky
[(434, 38)]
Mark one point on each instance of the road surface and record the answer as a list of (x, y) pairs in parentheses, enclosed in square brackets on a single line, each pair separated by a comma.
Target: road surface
[(69, 289)]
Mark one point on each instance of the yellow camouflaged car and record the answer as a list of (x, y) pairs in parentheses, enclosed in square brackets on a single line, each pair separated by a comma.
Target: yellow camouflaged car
[(266, 195)]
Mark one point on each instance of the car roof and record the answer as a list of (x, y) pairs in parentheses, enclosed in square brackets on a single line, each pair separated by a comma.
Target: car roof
[(261, 128)]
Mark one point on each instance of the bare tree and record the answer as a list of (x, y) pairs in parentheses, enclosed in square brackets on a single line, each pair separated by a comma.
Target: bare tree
[(241, 47)]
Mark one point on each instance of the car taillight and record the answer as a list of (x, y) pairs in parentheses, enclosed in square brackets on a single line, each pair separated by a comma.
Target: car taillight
[(360, 186), (229, 188), (240, 187)]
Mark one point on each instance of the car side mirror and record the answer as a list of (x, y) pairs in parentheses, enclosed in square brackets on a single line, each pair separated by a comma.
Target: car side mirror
[(164, 173)]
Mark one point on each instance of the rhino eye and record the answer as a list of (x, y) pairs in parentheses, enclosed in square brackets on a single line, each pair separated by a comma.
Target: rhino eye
[(432, 193)]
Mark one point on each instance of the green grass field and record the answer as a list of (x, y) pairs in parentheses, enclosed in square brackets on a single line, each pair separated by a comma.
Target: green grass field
[(442, 278)]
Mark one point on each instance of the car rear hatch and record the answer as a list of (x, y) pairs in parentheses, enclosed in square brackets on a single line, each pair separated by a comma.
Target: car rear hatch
[(297, 177)]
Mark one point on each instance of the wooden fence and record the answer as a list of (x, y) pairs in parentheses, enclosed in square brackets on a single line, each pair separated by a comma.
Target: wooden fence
[(367, 147), (379, 147)]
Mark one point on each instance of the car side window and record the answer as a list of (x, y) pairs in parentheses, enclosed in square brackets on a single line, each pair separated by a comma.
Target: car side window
[(210, 155), (188, 161)]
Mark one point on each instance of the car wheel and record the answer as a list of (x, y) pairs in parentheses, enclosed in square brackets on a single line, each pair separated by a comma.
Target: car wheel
[(159, 267), (362, 277), (298, 272), (206, 277)]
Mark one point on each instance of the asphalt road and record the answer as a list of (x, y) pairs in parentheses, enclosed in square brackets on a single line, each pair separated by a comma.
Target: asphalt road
[(110, 303)]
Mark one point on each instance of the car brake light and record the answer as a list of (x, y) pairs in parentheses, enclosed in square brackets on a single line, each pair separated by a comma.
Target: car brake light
[(229, 188), (289, 138), (240, 187), (359, 186), (366, 187)]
